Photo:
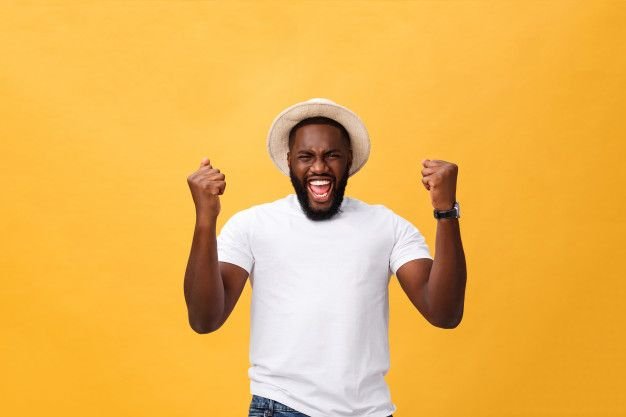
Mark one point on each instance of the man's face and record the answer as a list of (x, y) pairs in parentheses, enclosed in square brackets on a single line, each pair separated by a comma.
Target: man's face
[(319, 161)]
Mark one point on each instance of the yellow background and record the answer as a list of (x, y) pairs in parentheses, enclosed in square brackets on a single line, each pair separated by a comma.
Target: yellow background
[(107, 107)]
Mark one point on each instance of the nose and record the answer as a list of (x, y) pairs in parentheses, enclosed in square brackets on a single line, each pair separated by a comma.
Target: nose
[(319, 166)]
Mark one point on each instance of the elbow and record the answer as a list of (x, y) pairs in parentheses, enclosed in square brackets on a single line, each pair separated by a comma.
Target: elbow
[(451, 322), (203, 329), (204, 326), (204, 320)]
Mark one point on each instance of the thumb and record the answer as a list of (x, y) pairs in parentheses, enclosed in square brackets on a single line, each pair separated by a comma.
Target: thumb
[(205, 161)]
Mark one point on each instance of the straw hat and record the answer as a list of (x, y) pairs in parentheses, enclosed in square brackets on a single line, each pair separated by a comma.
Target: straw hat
[(278, 136)]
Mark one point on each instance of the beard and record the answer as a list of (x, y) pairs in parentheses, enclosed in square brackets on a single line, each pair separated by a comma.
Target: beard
[(303, 197)]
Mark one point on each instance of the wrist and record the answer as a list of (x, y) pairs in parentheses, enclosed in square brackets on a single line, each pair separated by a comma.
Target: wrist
[(454, 212), (444, 206)]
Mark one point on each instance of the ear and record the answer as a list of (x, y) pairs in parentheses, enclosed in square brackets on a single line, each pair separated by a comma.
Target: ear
[(288, 161)]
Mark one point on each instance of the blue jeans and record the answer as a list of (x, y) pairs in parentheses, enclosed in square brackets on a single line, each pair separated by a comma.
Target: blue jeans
[(265, 407)]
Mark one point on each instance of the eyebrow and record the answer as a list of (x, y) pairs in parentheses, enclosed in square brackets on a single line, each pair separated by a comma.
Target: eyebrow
[(326, 152)]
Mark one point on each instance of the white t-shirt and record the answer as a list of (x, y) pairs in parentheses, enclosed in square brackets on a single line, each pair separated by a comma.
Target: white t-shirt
[(320, 308)]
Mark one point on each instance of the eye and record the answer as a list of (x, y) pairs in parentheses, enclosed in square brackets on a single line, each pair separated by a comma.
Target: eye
[(304, 157)]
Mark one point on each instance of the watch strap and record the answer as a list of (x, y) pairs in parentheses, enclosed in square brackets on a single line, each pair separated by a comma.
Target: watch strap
[(446, 214)]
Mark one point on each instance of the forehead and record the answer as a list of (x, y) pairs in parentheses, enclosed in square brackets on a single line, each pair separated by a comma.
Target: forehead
[(318, 136)]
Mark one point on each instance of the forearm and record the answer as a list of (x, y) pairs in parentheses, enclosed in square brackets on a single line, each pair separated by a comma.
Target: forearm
[(204, 288), (446, 284)]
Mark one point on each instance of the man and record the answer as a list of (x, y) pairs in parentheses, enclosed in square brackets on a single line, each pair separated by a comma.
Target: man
[(319, 266)]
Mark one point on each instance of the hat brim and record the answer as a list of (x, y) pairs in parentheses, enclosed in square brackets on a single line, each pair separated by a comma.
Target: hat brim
[(278, 136)]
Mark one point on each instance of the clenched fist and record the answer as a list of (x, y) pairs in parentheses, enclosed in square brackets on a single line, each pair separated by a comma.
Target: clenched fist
[(439, 177), (206, 184)]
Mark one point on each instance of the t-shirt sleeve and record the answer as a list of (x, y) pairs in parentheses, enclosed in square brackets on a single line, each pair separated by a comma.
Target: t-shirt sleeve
[(409, 244), (233, 242)]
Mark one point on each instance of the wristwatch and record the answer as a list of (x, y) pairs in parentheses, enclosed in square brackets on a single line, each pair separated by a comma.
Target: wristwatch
[(454, 212)]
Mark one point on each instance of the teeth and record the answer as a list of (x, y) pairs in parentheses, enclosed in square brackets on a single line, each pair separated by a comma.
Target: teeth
[(320, 182), (320, 195)]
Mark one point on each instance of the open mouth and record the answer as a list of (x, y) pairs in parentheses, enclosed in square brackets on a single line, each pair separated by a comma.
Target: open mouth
[(320, 189)]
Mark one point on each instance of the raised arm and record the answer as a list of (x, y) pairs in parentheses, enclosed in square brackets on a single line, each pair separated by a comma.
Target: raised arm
[(211, 288), (437, 288)]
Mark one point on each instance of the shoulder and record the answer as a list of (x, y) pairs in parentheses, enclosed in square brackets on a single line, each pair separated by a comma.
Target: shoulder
[(357, 206), (380, 214), (253, 212)]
